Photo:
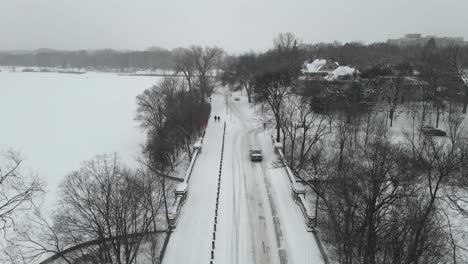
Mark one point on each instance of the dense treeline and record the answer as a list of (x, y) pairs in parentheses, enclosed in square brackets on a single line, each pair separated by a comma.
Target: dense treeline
[(362, 56), (175, 111), (380, 199), (383, 202), (173, 119), (152, 58)]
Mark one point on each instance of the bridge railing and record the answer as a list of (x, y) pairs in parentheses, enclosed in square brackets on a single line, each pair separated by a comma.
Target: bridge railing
[(298, 194), (298, 191), (181, 191)]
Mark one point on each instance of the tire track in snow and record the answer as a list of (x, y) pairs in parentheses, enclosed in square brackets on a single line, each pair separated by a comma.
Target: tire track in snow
[(251, 136), (258, 193), (236, 196)]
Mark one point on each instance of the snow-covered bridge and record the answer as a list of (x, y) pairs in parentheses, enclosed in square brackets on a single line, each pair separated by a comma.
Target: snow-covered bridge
[(257, 220)]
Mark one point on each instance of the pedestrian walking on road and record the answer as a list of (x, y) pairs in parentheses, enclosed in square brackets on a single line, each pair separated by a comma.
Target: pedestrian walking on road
[(215, 118)]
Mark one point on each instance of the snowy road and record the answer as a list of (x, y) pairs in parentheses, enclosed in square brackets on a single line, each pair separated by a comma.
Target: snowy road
[(258, 221)]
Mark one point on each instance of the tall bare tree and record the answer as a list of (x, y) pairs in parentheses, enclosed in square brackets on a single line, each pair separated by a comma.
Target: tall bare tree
[(274, 86), (303, 128), (433, 164), (436, 77), (394, 88), (455, 60), (206, 60), (185, 63), (241, 71)]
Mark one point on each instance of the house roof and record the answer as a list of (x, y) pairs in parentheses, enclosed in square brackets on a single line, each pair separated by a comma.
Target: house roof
[(341, 71), (315, 66)]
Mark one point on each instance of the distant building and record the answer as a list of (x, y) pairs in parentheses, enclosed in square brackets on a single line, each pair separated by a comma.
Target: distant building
[(419, 40)]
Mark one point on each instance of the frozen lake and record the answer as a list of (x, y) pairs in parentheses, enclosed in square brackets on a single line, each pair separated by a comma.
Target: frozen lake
[(57, 121)]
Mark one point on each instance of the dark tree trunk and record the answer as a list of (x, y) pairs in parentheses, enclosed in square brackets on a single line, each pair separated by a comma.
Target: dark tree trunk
[(247, 90), (391, 117), (278, 136), (465, 102)]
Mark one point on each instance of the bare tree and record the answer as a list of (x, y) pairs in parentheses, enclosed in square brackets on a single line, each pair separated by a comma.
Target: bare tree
[(394, 90), (107, 202), (285, 41), (458, 192), (17, 191), (242, 71), (455, 61), (434, 165), (40, 237), (206, 59), (435, 75), (185, 62), (303, 128), (453, 127), (274, 86)]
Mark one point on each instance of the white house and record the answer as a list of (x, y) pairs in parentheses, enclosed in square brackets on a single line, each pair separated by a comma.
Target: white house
[(318, 69), (321, 69), (342, 73)]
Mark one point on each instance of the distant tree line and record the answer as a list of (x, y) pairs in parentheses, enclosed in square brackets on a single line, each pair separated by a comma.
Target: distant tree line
[(364, 56), (152, 58), (353, 53)]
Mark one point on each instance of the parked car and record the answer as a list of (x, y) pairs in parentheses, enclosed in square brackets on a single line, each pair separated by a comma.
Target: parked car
[(256, 155), (432, 131), (237, 99)]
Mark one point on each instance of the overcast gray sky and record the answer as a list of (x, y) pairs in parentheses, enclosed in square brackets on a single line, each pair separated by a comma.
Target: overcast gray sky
[(235, 25)]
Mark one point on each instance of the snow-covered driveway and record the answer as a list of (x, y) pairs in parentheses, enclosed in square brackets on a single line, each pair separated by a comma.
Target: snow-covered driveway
[(257, 220)]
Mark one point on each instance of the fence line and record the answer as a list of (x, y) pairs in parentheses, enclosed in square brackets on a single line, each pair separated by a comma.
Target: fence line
[(215, 222)]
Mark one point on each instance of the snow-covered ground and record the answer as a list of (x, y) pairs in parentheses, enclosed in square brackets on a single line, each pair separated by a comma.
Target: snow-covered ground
[(258, 221), (58, 120)]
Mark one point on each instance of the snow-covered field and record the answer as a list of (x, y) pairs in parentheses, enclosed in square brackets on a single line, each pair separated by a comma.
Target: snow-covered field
[(57, 121)]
